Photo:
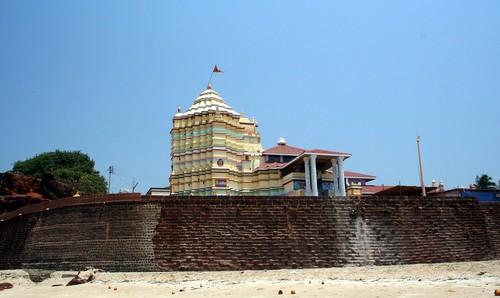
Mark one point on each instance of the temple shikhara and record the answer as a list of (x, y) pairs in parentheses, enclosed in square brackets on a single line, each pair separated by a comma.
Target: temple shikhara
[(217, 151)]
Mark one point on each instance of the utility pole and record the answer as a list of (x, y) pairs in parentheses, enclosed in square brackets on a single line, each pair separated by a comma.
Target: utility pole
[(420, 167), (111, 170)]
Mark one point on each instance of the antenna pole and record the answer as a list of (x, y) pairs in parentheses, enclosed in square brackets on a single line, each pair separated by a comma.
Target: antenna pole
[(420, 167), (111, 170)]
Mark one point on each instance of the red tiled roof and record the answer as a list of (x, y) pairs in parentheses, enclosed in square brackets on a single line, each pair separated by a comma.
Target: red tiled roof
[(270, 165), (371, 189), (355, 175), (322, 151), (349, 174), (289, 150), (404, 190), (284, 150)]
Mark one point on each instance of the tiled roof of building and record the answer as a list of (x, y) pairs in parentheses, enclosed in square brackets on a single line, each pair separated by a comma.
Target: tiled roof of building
[(404, 190), (208, 100), (271, 165), (350, 174), (372, 189), (322, 151), (284, 150)]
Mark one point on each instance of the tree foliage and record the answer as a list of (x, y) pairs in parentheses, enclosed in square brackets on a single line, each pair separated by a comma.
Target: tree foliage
[(72, 167), (485, 182)]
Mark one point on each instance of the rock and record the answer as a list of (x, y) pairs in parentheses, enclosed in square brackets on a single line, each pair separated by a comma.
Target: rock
[(280, 292), (13, 202), (14, 184), (54, 189), (18, 190), (292, 292), (77, 280), (83, 277), (39, 275), (5, 286), (89, 274)]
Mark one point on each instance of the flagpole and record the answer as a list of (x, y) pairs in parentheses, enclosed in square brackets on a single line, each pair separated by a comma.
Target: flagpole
[(216, 69), (420, 167), (210, 79)]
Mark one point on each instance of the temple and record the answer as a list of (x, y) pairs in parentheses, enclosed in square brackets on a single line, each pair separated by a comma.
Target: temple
[(217, 151)]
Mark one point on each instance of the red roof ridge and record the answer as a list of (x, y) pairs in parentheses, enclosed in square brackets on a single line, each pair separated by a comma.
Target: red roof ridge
[(284, 149), (325, 151), (371, 189), (357, 174)]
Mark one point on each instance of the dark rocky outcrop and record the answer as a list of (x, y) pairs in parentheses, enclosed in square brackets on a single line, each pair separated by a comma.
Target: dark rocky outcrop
[(17, 190)]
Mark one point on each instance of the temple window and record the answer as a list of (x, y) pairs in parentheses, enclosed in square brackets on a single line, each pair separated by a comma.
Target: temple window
[(299, 184), (220, 182)]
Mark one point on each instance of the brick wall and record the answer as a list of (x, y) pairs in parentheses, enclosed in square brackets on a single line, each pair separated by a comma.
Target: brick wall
[(491, 214), (133, 233)]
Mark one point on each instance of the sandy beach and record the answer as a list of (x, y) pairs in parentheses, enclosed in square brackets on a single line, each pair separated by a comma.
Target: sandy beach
[(469, 279)]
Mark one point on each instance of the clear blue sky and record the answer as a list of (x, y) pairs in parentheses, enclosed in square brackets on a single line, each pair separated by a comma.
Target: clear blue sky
[(106, 77)]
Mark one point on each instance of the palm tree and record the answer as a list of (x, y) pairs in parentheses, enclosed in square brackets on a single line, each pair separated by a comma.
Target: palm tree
[(485, 182)]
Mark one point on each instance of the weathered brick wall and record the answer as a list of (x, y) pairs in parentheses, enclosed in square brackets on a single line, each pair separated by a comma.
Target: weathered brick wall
[(491, 212), (116, 236), (146, 234), (389, 231), (13, 235)]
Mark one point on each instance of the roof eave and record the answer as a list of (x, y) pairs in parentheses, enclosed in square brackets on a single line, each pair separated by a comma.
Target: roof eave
[(340, 154)]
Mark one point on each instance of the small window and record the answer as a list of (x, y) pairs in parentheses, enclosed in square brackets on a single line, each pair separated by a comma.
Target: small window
[(299, 184), (220, 182)]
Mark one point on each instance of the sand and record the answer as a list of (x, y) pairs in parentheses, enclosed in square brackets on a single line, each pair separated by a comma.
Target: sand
[(468, 279)]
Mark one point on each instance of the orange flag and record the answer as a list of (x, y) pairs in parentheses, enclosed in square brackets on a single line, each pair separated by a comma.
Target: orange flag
[(216, 69)]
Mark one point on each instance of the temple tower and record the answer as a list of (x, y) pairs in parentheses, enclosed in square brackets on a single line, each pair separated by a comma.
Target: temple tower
[(214, 149)]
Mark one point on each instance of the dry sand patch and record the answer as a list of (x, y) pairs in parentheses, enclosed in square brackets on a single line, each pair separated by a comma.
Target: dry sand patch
[(468, 279)]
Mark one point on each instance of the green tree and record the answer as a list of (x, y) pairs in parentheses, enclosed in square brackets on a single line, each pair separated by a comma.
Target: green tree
[(71, 167), (484, 182)]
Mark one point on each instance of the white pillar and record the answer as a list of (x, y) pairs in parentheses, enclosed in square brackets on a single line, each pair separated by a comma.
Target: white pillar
[(308, 176), (314, 178), (335, 173), (341, 177)]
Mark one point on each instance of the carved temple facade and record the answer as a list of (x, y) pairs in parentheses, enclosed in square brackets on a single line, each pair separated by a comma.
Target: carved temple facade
[(217, 151)]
